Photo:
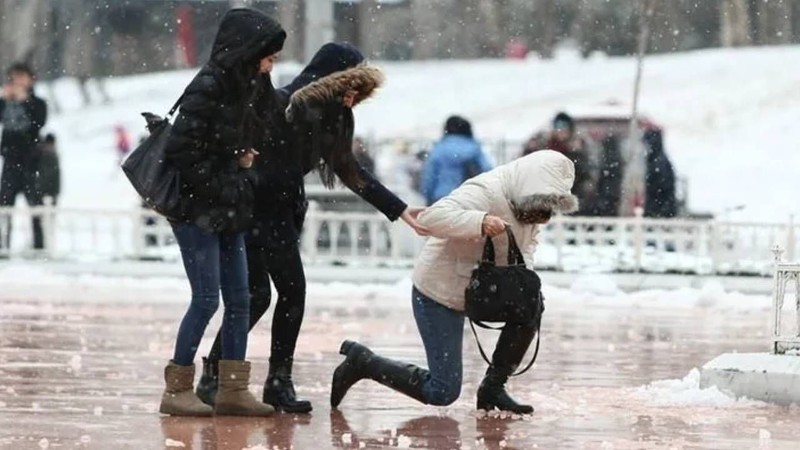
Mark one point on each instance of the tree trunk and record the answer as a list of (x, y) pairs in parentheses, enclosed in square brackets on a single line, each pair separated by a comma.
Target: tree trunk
[(774, 22), (290, 13), (549, 11), (735, 24), (367, 10), (21, 30)]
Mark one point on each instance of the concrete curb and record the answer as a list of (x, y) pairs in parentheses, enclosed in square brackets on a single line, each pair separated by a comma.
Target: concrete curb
[(758, 376)]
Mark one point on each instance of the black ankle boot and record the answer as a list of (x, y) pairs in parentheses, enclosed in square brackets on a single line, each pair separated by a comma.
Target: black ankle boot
[(352, 370), (209, 382), (362, 363), (279, 390), (492, 394)]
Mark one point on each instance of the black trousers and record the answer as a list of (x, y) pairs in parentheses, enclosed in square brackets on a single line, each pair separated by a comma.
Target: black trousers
[(19, 179), (284, 266)]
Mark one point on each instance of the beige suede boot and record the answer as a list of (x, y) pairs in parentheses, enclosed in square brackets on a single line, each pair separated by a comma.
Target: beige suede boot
[(179, 398), (233, 397)]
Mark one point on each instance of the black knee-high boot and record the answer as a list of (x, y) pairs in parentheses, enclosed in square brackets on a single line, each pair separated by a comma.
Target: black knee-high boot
[(279, 389), (361, 363), (511, 347)]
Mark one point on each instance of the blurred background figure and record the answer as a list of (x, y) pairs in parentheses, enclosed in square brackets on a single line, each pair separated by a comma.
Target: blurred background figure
[(563, 138), (22, 115), (660, 198), (49, 170), (123, 142), (456, 158)]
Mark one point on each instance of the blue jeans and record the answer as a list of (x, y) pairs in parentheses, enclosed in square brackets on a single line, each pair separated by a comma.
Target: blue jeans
[(442, 332), (213, 262)]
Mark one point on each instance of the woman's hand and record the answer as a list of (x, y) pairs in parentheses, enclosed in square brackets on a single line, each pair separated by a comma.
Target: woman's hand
[(246, 160), (493, 226), (409, 216)]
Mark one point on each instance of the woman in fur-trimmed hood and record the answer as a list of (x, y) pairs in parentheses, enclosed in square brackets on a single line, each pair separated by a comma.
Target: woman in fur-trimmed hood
[(521, 195), (316, 135)]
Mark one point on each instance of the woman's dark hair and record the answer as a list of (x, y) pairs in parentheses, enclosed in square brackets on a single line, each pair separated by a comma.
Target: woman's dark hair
[(21, 67), (458, 125), (325, 135), (564, 119), (260, 106)]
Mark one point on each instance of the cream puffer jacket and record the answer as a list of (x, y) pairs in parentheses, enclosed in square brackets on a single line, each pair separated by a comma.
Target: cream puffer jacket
[(542, 179)]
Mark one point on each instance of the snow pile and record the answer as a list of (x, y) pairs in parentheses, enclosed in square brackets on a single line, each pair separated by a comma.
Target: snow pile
[(687, 392), (598, 289), (19, 279), (590, 290)]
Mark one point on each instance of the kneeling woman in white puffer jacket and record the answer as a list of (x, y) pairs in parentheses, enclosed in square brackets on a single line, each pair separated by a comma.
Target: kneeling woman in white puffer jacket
[(521, 194)]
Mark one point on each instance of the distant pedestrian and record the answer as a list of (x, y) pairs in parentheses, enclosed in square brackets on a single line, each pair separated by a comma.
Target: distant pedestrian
[(456, 158), (22, 115), (49, 170), (123, 142), (564, 138), (660, 198)]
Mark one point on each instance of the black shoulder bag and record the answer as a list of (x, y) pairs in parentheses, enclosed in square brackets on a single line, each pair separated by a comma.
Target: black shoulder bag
[(146, 167), (510, 294)]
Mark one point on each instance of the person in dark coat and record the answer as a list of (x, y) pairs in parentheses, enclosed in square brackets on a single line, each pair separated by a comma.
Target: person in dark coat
[(660, 198), (609, 183), (211, 145), (22, 115), (319, 138), (49, 170), (564, 138)]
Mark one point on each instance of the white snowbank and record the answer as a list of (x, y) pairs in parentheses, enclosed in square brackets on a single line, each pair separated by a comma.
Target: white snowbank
[(35, 282), (687, 392)]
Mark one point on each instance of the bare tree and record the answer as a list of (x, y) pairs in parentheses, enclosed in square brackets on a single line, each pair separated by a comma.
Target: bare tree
[(367, 11), (774, 19), (290, 14), (735, 23)]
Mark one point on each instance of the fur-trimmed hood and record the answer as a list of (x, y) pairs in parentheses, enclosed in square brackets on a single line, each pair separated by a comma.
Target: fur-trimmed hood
[(364, 79), (541, 180), (330, 58)]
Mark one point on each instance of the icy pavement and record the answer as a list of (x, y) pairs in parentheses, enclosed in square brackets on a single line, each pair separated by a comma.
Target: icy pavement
[(81, 367)]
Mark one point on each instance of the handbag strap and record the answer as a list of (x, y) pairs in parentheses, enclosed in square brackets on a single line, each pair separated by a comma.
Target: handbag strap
[(175, 106), (486, 358), (514, 253), (488, 252)]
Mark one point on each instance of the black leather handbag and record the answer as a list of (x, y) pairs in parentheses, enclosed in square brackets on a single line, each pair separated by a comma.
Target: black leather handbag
[(510, 294), (155, 180)]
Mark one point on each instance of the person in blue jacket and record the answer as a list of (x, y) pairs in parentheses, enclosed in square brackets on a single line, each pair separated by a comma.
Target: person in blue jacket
[(456, 158)]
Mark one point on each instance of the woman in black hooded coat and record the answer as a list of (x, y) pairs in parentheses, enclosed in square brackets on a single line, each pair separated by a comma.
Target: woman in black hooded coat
[(318, 137), (210, 146)]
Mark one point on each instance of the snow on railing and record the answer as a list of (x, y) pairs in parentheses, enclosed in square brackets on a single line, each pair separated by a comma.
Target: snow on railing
[(785, 273), (630, 244)]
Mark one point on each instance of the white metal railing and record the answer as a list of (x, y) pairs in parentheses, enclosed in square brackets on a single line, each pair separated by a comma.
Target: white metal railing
[(632, 244), (785, 273)]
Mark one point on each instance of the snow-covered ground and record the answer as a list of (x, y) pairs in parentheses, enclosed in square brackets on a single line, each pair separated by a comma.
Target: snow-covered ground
[(729, 117)]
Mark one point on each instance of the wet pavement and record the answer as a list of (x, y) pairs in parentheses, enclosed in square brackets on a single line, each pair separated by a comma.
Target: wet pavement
[(78, 373)]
